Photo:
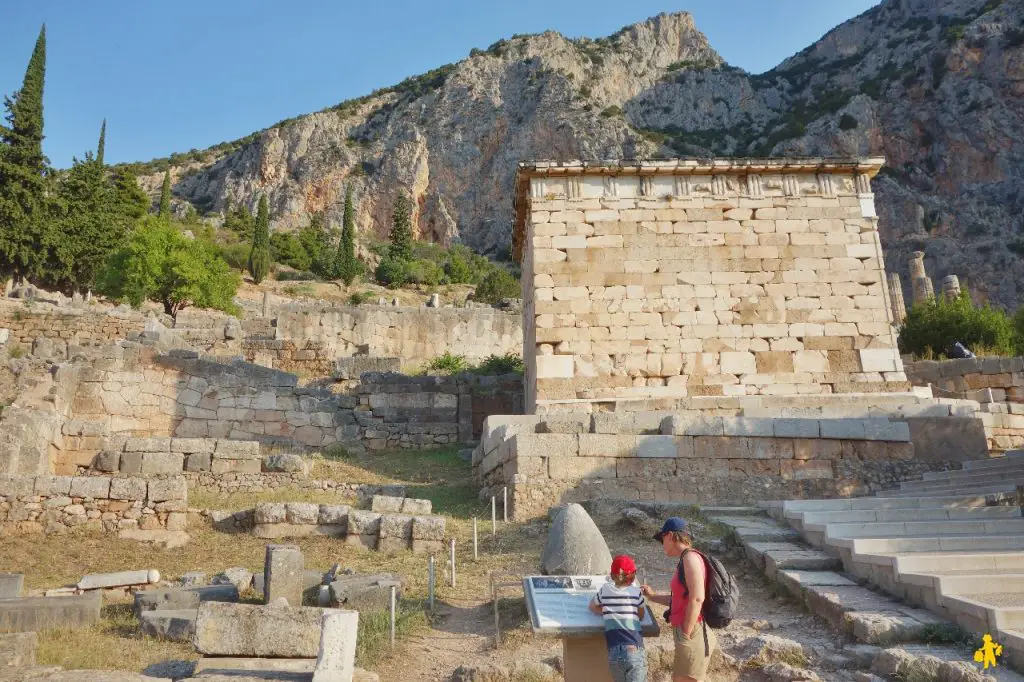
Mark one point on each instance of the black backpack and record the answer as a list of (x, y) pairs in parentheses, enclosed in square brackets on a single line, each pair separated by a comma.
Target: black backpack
[(722, 598)]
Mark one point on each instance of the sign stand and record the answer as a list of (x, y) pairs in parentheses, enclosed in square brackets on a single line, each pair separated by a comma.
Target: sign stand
[(558, 605)]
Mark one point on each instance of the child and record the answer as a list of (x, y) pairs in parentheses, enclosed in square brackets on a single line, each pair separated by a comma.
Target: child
[(622, 606)]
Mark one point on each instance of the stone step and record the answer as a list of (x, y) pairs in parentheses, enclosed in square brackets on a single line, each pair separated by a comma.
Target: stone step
[(984, 466), (750, 528), (924, 562), (987, 612), (1012, 641), (958, 543), (964, 481), (177, 625), (985, 582), (1008, 458), (998, 488), (801, 519), (785, 508), (771, 557), (896, 529)]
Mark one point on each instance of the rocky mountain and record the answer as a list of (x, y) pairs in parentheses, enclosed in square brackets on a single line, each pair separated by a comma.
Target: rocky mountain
[(933, 85)]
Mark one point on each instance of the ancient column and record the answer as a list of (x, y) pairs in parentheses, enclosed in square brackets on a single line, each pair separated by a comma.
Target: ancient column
[(920, 283), (899, 308), (951, 287)]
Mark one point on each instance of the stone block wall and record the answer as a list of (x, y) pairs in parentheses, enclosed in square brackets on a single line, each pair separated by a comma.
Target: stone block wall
[(82, 327), (360, 528), (309, 360), (1004, 376), (55, 504), (694, 458), (415, 335), (731, 277)]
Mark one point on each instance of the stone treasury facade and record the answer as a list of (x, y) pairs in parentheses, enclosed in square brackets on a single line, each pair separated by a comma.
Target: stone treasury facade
[(703, 278), (711, 331)]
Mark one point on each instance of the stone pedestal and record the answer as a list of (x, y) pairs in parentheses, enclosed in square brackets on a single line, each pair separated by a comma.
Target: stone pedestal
[(282, 574), (336, 661), (585, 659)]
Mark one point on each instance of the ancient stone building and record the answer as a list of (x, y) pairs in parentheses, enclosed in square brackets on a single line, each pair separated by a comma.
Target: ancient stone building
[(724, 277)]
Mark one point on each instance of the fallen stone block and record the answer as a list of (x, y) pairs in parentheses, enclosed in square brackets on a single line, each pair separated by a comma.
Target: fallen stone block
[(166, 539), (364, 593), (285, 464), (334, 515), (414, 506), (302, 513), (178, 598), (18, 648), (282, 574), (224, 629), (362, 522), (107, 460), (337, 656), (11, 585), (177, 625), (385, 503), (96, 581), (428, 528), (245, 669), (37, 613), (241, 578)]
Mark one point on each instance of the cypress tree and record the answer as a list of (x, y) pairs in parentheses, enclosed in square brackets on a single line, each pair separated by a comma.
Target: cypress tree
[(348, 266), (102, 144), (24, 238), (259, 257), (165, 197), (401, 231)]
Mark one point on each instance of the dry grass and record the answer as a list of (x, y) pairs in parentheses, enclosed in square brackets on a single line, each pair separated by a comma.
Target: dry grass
[(202, 498), (113, 643)]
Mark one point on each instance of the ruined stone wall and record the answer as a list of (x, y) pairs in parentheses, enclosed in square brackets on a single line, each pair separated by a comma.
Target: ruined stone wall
[(136, 391), (55, 504), (308, 359), (83, 327), (1004, 376), (414, 335), (736, 278)]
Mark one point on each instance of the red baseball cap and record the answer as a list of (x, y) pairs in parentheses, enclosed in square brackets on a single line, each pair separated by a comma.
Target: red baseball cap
[(623, 564)]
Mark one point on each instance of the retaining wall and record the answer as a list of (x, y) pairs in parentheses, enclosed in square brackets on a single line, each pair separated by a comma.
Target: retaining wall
[(55, 504)]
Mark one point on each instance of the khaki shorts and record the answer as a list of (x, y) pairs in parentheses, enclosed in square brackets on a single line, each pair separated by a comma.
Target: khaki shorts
[(689, 660)]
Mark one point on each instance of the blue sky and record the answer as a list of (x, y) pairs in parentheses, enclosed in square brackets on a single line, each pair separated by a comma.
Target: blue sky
[(188, 74)]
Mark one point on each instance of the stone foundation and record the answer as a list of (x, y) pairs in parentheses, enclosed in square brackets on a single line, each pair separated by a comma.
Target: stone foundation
[(56, 504), (700, 458)]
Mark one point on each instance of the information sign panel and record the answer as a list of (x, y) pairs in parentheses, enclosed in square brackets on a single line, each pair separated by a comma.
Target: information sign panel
[(558, 604)]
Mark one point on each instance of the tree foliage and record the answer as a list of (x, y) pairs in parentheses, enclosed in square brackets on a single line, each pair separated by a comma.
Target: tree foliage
[(935, 325), (165, 197), (401, 230), (25, 238), (349, 267), (498, 285), (158, 263), (239, 220), (259, 257), (285, 248)]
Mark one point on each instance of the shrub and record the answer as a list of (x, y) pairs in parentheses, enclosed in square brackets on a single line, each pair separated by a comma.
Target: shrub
[(294, 276), (448, 364), (498, 285), (235, 255), (935, 325), (392, 273), (285, 248), (611, 111), (425, 272), (361, 297), (510, 363)]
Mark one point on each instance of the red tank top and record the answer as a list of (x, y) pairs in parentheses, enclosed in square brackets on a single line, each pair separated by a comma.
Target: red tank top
[(681, 596)]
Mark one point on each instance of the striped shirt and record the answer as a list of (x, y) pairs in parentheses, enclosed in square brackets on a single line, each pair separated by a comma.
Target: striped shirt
[(619, 606)]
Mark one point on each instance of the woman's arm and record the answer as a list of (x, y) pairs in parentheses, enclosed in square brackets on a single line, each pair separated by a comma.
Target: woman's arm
[(693, 570), (656, 597)]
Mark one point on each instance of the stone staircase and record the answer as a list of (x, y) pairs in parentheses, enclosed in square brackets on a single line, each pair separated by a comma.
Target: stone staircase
[(949, 547)]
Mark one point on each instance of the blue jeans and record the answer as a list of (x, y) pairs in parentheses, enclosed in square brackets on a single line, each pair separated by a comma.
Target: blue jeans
[(627, 663)]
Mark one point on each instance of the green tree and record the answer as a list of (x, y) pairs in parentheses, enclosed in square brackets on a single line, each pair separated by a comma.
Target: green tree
[(349, 267), (498, 285), (165, 197), (101, 147), (158, 263), (259, 257), (130, 202), (401, 230), (285, 248), (935, 325), (320, 242), (239, 220), (24, 207)]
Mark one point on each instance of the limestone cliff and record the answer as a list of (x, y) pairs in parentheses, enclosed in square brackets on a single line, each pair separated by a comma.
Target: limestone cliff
[(933, 85)]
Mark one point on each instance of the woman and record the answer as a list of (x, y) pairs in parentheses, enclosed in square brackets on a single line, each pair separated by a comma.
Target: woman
[(694, 642)]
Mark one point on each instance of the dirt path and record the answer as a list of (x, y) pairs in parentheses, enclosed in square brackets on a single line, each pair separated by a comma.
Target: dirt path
[(463, 628)]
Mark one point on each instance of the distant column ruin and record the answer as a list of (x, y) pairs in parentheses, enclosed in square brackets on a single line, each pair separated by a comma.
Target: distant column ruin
[(920, 282), (899, 308), (951, 287)]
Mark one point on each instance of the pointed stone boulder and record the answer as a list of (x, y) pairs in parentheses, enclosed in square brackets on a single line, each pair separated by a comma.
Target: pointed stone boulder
[(575, 545)]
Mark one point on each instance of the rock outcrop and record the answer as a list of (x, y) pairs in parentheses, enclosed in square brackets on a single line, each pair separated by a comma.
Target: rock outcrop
[(934, 85)]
